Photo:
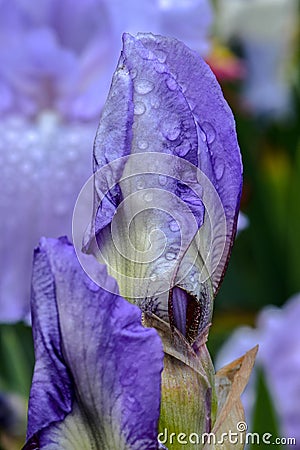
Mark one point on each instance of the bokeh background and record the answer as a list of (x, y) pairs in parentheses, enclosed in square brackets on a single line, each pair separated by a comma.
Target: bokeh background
[(56, 61)]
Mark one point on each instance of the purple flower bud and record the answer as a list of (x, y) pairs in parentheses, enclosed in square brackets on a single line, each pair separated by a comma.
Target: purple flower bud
[(167, 183)]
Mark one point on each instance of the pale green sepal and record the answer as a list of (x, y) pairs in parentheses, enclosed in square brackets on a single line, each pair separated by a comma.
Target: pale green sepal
[(188, 396)]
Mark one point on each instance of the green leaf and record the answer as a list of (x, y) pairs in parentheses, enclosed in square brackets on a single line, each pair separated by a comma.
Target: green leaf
[(17, 358), (264, 416)]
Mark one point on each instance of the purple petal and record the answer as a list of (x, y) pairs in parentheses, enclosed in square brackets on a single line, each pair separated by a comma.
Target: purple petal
[(218, 151), (94, 359)]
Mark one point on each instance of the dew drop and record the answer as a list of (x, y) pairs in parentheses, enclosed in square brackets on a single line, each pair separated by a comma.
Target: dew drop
[(91, 285), (148, 197), (133, 73), (140, 184), (201, 133), (155, 102), (143, 145), (139, 108), (174, 226), (184, 148), (151, 55), (209, 131), (161, 55), (171, 128), (173, 134), (162, 180), (170, 256), (219, 168), (183, 87), (160, 68), (171, 83), (132, 404), (143, 86), (153, 277)]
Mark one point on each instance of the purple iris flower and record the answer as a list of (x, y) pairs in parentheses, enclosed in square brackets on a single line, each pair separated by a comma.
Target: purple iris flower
[(96, 381), (60, 54), (168, 182), (56, 60)]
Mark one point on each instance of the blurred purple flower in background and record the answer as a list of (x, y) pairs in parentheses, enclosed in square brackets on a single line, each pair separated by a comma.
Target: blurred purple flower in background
[(43, 165), (278, 336), (60, 54), (56, 61)]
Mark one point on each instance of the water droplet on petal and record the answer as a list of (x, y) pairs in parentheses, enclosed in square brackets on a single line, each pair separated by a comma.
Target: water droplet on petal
[(183, 87), (139, 108), (161, 55), (170, 128), (132, 404), (201, 132), (140, 184), (174, 225), (219, 168), (143, 86), (143, 145), (133, 73), (209, 131), (160, 68), (155, 102), (151, 55), (173, 134), (148, 197), (153, 277), (162, 180), (184, 148), (171, 83), (170, 256)]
